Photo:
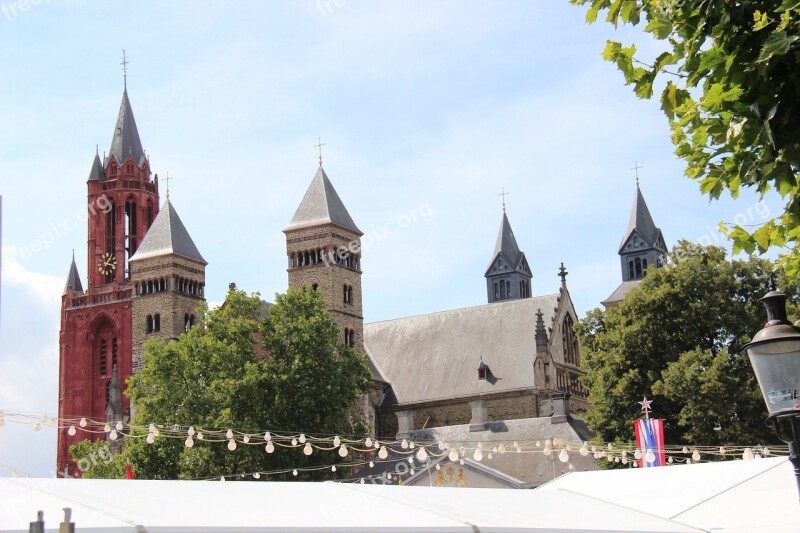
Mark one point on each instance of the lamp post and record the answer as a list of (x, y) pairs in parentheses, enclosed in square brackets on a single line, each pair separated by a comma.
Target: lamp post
[(774, 353)]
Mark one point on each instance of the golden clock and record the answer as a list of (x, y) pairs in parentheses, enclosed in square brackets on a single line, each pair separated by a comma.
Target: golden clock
[(107, 263)]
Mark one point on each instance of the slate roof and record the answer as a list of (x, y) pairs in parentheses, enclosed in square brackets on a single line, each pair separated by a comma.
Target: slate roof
[(166, 236), (621, 292), (125, 140), (641, 222), (321, 205), (506, 245), (448, 346), (73, 279), (97, 172)]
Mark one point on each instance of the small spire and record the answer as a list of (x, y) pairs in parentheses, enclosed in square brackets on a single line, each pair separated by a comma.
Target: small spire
[(636, 168), (166, 183), (503, 193), (319, 145), (124, 64), (562, 273), (541, 333)]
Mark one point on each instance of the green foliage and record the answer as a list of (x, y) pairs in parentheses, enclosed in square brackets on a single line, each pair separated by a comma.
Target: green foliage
[(212, 377), (732, 97), (95, 460), (676, 338)]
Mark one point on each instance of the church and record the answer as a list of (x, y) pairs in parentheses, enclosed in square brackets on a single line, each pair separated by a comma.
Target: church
[(483, 369)]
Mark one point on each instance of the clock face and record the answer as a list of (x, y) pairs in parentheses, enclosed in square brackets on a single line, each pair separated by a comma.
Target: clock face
[(107, 263)]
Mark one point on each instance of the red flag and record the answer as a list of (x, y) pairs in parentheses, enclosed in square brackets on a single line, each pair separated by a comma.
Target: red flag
[(129, 471)]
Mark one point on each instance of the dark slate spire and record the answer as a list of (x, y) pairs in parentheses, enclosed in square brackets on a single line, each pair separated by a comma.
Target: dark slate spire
[(97, 172), (508, 275), (73, 279), (167, 236), (641, 222), (114, 406), (506, 243), (321, 205), (126, 140)]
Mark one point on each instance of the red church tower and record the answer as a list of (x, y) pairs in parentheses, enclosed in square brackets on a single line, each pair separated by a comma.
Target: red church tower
[(95, 340)]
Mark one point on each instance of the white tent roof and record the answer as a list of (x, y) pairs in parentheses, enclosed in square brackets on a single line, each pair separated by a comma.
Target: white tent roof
[(759, 495)]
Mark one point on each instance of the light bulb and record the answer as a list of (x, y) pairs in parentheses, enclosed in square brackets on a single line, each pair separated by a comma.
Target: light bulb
[(377, 444), (490, 455), (307, 449), (107, 428), (695, 456), (37, 426), (256, 476), (113, 434), (637, 454), (362, 481), (722, 450), (412, 472), (688, 461), (229, 434), (294, 472), (368, 442), (766, 452), (516, 445), (501, 449), (383, 453), (610, 446), (337, 441), (461, 462), (72, 431), (422, 454), (563, 456), (231, 445), (438, 466), (748, 454), (302, 438), (404, 444), (649, 456), (685, 450), (294, 442), (584, 451), (342, 451), (624, 460), (442, 445), (410, 460), (519, 450), (333, 468), (547, 449), (411, 444), (478, 455), (388, 476), (119, 425), (222, 478), (82, 423), (190, 431), (150, 439), (200, 436), (246, 439), (269, 447), (53, 422), (371, 464), (267, 437), (494, 449), (152, 428), (188, 442), (453, 455)]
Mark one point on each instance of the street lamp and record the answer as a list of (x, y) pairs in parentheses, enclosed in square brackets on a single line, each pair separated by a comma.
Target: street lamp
[(774, 353)]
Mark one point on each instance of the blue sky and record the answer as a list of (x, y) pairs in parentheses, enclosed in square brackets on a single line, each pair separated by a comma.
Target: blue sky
[(427, 109)]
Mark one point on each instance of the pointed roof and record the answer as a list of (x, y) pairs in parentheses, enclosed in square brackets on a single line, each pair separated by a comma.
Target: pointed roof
[(506, 245), (640, 221), (97, 172), (126, 137), (167, 236), (73, 279), (321, 205)]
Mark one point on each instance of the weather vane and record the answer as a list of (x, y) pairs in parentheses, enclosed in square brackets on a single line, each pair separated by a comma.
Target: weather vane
[(319, 145), (645, 403), (636, 168), (124, 64), (503, 193)]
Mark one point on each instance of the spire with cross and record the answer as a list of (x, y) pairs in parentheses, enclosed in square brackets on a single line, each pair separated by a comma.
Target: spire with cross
[(636, 168), (166, 183), (503, 193), (562, 273), (125, 64), (319, 145)]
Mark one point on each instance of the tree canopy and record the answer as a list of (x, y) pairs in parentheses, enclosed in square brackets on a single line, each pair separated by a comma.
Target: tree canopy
[(732, 97), (287, 373), (676, 338)]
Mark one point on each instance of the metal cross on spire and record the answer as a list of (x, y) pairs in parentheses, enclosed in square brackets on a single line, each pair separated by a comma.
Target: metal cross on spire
[(503, 193), (636, 168), (319, 145), (562, 273), (166, 183), (125, 64)]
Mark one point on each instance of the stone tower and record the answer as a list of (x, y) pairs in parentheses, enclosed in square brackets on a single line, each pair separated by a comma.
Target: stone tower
[(642, 245), (168, 278), (323, 245), (508, 276), (95, 334)]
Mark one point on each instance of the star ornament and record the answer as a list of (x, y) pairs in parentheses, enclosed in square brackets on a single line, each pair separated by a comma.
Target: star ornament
[(645, 403)]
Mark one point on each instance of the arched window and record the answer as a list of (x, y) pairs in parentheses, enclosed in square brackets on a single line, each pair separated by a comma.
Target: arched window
[(111, 234), (315, 286), (130, 231), (157, 323), (149, 325), (508, 289), (631, 272), (103, 357), (644, 266), (570, 342), (149, 213), (638, 263), (496, 291), (113, 352)]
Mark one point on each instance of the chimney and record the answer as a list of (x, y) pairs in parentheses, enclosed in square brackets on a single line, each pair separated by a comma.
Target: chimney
[(405, 424), (560, 407), (479, 415)]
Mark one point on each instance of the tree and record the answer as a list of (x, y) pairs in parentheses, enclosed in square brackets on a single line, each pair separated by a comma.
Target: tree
[(676, 338), (215, 377), (732, 98), (95, 459)]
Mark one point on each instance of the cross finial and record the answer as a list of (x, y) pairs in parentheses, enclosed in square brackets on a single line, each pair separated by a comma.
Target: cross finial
[(124, 64), (636, 168), (562, 273), (503, 193), (319, 145), (166, 182)]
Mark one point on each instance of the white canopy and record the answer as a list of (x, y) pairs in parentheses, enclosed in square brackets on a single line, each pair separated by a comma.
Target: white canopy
[(676, 499)]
